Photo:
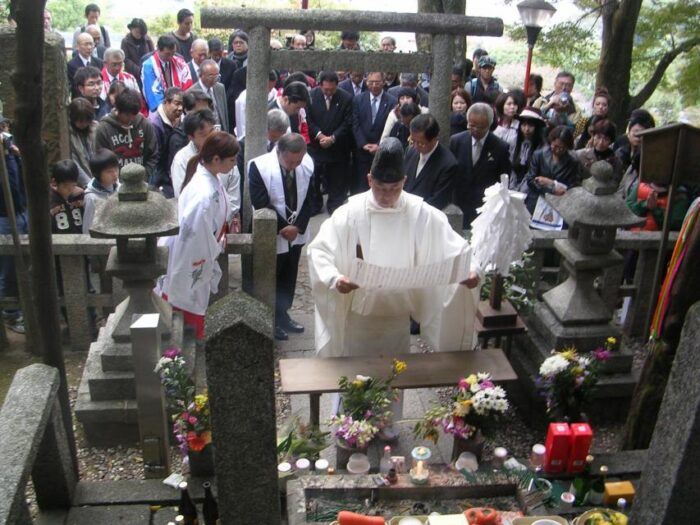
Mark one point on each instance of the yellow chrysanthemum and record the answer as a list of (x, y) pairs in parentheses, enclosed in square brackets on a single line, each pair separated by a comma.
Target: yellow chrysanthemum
[(569, 354), (200, 401), (358, 383), (611, 341), (399, 366), (472, 379)]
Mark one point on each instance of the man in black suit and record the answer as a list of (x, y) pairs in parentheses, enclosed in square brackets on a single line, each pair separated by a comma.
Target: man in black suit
[(294, 98), (431, 169), (369, 113), (354, 84), (330, 128), (481, 158), (226, 66), (83, 58), (199, 53)]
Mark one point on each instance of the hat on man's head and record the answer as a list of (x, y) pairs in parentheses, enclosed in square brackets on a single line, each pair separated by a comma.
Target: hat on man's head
[(487, 61), (387, 165)]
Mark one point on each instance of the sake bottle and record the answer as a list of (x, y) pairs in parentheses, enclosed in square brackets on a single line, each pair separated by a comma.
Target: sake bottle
[(597, 492), (187, 508), (581, 485), (210, 509)]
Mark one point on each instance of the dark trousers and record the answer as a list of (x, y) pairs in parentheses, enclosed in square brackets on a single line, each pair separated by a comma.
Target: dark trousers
[(335, 176), (363, 163), (287, 269)]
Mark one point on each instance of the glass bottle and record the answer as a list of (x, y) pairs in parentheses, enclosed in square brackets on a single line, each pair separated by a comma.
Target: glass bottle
[(385, 464), (597, 492), (581, 485), (187, 508), (210, 509)]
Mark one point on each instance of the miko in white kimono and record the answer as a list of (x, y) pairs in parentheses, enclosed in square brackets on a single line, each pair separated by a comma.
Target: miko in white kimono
[(387, 227), (193, 271)]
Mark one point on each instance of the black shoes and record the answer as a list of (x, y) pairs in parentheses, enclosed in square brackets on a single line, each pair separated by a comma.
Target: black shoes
[(280, 334), (292, 326)]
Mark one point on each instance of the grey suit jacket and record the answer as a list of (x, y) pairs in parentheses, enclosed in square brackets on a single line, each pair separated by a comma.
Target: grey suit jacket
[(220, 104)]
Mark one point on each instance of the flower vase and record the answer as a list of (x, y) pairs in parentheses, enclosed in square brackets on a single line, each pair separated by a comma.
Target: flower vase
[(474, 444), (202, 462), (343, 451)]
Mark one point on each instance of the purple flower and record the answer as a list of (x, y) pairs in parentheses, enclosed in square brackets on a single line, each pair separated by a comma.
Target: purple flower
[(601, 354), (485, 385), (172, 352), (192, 420)]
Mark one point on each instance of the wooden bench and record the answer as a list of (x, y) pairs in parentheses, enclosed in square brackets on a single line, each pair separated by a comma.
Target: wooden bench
[(316, 376)]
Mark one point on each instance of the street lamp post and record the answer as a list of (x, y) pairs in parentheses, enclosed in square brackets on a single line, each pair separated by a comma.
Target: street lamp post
[(534, 14)]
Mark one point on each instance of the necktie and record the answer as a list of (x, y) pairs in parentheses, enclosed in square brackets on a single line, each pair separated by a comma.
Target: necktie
[(167, 75), (476, 152), (291, 194), (421, 165), (328, 103), (114, 79), (375, 108)]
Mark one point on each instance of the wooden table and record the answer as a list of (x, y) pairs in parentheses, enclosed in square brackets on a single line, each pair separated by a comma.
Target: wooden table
[(316, 376)]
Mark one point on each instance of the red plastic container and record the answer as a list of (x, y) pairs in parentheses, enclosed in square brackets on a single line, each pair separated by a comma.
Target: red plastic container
[(581, 438), (556, 446)]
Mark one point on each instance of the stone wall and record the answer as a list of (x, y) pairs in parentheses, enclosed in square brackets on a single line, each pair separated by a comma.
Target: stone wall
[(56, 92)]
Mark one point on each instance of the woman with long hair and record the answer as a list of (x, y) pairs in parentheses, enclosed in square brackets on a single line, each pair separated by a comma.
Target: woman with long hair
[(628, 145), (193, 271), (508, 106), (601, 108), (530, 139), (81, 116)]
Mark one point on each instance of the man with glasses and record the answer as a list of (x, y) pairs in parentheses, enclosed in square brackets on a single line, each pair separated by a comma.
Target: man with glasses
[(481, 159), (113, 71), (88, 84), (209, 83)]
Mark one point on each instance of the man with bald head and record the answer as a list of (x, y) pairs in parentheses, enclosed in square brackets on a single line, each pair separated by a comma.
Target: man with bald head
[(199, 53), (209, 83), (85, 45), (99, 50)]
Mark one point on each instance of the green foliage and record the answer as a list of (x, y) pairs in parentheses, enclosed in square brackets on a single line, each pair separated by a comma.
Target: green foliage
[(161, 25), (519, 287), (66, 14), (301, 441)]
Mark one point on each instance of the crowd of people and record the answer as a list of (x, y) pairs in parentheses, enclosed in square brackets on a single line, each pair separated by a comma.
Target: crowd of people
[(175, 105)]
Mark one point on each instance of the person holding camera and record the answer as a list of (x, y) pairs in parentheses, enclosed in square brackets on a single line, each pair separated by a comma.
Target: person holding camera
[(560, 109)]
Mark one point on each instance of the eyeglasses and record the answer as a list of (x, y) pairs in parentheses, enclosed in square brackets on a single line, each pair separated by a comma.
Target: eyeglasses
[(373, 82)]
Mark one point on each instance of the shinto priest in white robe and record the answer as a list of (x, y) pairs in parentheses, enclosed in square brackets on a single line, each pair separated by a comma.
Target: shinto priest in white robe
[(193, 271), (376, 322)]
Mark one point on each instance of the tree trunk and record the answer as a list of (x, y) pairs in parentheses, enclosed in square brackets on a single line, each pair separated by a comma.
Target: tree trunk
[(619, 24), (28, 81), (455, 7)]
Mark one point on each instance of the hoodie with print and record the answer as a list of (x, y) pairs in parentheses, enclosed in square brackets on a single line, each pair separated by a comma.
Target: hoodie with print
[(134, 144)]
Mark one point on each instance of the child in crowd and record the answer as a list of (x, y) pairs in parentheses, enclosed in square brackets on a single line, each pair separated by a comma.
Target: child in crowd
[(66, 199), (104, 166)]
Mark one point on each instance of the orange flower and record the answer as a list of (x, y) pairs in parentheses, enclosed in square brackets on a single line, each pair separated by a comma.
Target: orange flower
[(198, 442)]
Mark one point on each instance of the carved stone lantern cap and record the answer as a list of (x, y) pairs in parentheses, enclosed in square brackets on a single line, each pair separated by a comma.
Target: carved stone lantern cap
[(135, 211), (595, 204)]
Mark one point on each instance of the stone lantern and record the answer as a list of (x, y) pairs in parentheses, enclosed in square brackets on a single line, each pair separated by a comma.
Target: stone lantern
[(136, 217), (575, 312)]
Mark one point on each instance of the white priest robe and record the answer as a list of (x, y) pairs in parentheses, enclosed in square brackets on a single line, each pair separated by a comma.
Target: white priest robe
[(376, 322), (193, 271)]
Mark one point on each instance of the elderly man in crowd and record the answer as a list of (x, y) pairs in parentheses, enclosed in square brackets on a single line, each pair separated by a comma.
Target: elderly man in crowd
[(84, 58), (209, 83), (113, 71), (199, 53)]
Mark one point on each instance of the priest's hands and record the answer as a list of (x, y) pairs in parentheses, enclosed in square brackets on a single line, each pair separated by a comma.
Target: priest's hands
[(344, 285), (472, 281), (289, 232)]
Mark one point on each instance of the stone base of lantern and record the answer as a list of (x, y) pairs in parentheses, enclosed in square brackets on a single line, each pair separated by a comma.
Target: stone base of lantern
[(106, 404)]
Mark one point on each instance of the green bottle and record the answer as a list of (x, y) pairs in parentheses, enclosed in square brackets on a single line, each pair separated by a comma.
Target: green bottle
[(597, 492), (581, 485)]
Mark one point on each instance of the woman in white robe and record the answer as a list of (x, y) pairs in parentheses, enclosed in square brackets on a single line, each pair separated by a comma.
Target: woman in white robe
[(193, 271)]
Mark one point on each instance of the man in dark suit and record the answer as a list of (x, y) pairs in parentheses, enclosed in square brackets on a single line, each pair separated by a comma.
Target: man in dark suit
[(481, 158), (330, 128), (354, 84), (226, 66), (295, 97), (83, 58), (431, 169), (209, 84), (369, 113)]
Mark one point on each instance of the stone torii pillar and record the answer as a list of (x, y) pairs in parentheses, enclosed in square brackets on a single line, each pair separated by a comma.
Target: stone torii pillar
[(257, 22)]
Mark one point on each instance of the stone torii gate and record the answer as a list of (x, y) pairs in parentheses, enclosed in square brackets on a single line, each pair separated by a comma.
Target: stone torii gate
[(257, 22)]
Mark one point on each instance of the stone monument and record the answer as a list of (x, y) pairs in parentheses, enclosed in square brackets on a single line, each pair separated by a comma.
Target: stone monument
[(578, 312), (135, 217)]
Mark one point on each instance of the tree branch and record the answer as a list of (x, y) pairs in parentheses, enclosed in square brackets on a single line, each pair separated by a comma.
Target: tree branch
[(640, 98)]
